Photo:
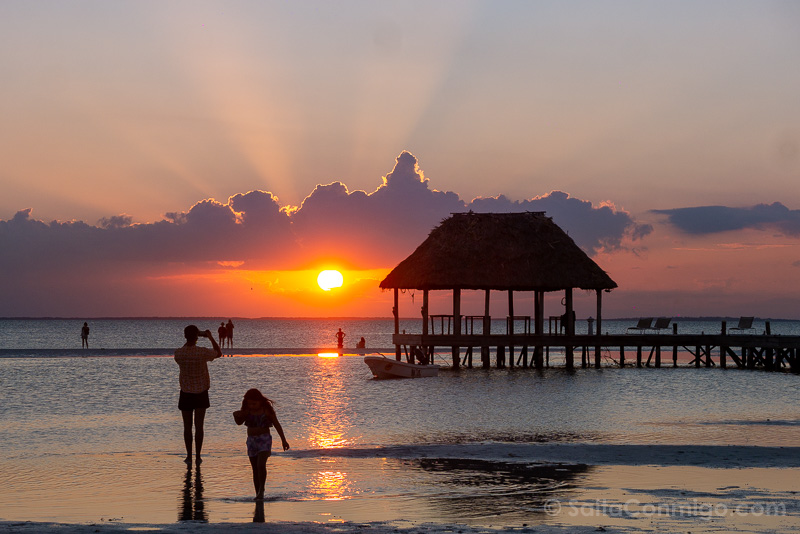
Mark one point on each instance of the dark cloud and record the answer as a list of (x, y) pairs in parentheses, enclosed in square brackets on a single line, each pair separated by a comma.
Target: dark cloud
[(117, 221), (714, 219), (246, 228), (64, 262), (593, 228), (376, 227)]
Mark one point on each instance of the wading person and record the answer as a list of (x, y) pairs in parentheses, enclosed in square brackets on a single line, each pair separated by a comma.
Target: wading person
[(258, 415), (229, 333), (340, 338), (85, 336), (222, 331), (194, 380)]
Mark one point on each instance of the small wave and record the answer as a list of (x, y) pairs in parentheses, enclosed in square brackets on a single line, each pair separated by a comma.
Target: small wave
[(723, 456), (278, 497), (767, 422)]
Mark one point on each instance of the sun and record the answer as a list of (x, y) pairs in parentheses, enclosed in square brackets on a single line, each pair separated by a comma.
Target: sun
[(330, 279)]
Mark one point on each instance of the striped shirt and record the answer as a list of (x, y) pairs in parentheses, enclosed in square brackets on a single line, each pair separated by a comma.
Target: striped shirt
[(193, 362)]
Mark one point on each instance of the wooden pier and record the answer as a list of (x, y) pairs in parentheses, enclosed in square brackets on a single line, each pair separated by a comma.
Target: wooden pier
[(743, 351)]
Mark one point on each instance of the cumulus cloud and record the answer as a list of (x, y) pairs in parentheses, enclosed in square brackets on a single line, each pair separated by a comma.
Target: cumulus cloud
[(715, 219), (115, 221), (244, 229), (593, 228), (386, 224), (72, 260)]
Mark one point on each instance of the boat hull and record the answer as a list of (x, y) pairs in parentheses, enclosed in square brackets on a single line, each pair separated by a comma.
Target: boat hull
[(383, 367)]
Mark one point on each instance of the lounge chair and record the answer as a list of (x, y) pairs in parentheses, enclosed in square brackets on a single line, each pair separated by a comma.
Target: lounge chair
[(662, 323), (745, 325), (644, 324)]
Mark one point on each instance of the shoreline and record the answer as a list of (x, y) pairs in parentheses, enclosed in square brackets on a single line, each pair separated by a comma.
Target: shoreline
[(289, 527)]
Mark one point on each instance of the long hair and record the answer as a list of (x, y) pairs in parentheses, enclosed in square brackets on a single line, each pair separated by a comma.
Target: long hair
[(256, 395)]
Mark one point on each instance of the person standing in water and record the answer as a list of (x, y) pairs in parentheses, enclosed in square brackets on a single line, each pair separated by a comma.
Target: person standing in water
[(229, 332), (258, 415), (195, 382), (85, 336), (222, 332), (340, 338)]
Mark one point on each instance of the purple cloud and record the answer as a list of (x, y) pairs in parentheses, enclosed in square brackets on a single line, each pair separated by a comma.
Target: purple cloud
[(44, 262), (714, 219), (381, 226), (593, 228)]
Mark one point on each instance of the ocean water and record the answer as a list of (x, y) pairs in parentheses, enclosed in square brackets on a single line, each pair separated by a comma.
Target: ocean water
[(102, 437), (35, 337)]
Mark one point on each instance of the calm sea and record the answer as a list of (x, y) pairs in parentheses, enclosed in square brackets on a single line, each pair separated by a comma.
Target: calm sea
[(98, 431), (48, 337)]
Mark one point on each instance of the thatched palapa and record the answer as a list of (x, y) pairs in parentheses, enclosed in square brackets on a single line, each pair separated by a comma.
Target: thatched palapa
[(498, 251)]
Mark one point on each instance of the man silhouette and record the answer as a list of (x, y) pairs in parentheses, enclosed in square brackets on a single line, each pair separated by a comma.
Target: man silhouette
[(195, 382)]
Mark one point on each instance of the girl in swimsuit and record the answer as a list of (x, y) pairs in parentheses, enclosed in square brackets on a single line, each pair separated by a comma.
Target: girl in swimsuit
[(257, 414)]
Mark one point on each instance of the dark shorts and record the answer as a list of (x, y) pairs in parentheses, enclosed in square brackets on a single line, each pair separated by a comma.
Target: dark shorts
[(193, 401)]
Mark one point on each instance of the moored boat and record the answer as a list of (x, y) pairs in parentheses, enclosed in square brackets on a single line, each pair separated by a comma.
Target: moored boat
[(383, 367)]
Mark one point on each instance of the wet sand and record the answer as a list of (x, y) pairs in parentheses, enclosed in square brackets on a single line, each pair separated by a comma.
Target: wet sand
[(509, 497)]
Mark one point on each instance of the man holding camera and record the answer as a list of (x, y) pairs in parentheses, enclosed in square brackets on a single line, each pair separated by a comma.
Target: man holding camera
[(195, 382)]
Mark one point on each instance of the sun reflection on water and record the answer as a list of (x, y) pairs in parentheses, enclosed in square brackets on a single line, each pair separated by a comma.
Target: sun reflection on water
[(331, 485), (329, 426), (327, 408)]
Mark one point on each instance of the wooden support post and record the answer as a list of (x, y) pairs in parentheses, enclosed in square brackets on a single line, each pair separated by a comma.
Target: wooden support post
[(538, 326), (425, 312), (698, 356), (639, 356), (569, 330), (511, 326), (501, 356), (708, 356), (658, 356), (597, 348), (396, 313), (456, 326), (723, 350), (675, 347), (622, 356), (487, 330), (425, 320)]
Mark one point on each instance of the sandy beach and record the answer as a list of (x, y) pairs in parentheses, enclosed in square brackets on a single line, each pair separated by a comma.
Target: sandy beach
[(291, 528)]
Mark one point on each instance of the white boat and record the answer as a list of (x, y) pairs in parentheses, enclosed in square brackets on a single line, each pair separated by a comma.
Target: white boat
[(383, 367)]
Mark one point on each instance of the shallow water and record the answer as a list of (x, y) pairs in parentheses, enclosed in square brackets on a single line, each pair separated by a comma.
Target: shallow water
[(108, 334), (102, 437)]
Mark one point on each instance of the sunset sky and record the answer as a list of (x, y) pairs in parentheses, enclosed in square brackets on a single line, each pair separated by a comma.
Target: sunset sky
[(210, 158)]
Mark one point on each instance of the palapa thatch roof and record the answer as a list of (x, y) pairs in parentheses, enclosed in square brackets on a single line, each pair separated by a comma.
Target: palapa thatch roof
[(500, 251)]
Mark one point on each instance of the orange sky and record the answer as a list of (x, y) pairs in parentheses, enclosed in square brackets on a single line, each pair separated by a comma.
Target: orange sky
[(152, 149)]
